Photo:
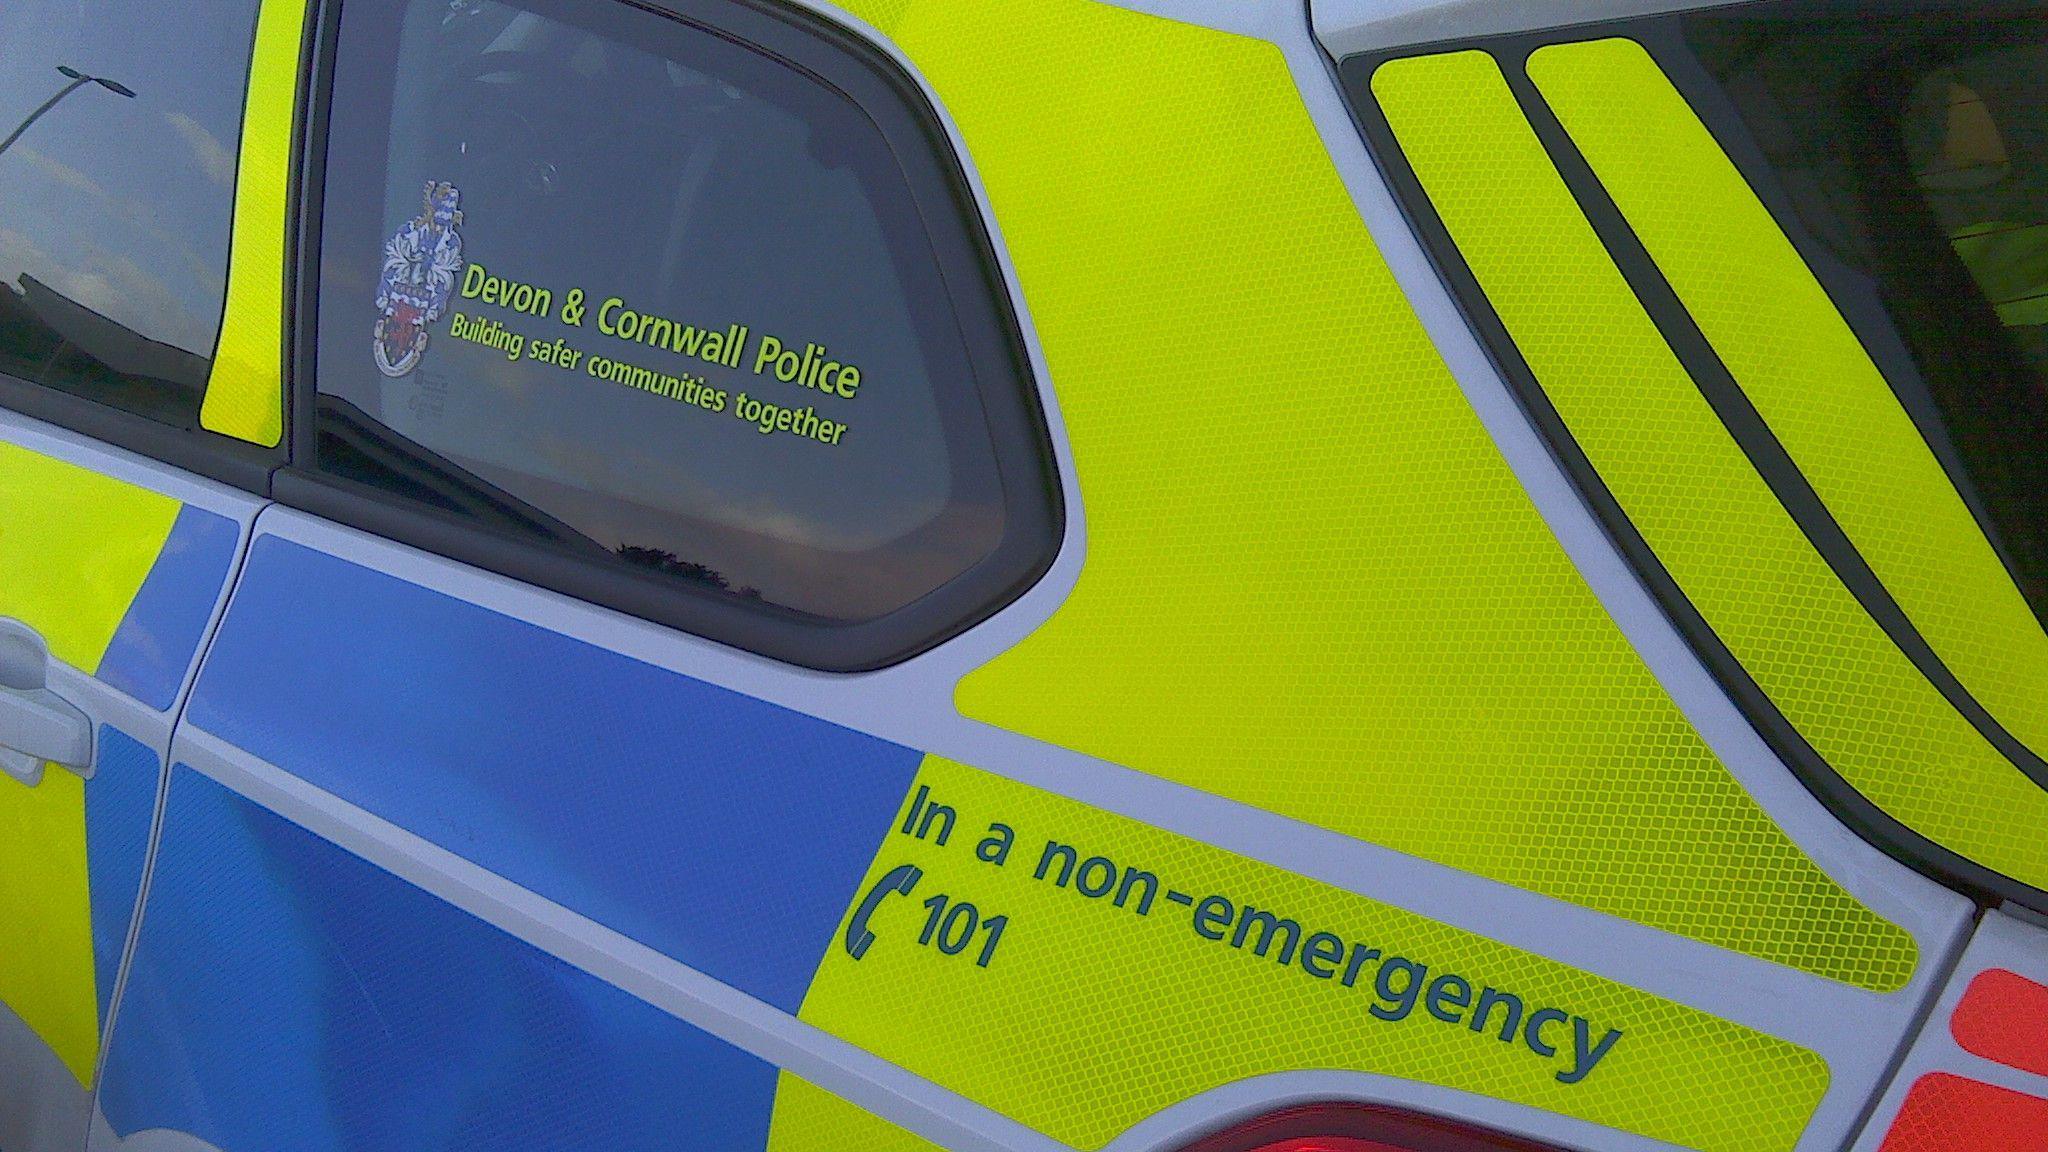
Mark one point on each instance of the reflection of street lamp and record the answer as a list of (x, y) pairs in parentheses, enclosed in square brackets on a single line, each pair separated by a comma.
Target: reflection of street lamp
[(78, 80)]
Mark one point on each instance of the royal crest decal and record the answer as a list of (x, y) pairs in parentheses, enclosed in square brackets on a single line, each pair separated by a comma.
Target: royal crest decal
[(421, 265)]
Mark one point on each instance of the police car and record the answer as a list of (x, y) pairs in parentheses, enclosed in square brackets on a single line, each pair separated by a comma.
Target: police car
[(1024, 575)]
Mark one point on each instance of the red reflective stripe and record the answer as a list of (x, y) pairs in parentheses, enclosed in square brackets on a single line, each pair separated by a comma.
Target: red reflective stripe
[(1946, 1113), (2004, 1017)]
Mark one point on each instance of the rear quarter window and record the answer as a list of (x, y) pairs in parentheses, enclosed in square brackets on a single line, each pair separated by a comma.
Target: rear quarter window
[(1912, 141), (670, 305)]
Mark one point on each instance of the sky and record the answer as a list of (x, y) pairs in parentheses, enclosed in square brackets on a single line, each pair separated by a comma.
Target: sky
[(124, 205)]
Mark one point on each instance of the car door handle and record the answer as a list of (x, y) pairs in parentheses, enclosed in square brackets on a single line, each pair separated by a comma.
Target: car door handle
[(37, 726)]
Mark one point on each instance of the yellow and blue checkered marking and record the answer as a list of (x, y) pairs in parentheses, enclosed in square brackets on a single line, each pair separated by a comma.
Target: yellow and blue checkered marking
[(741, 839), (120, 580)]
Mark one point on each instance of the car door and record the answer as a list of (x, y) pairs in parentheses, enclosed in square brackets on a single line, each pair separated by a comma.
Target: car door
[(697, 687), (614, 324), (123, 508), (117, 568)]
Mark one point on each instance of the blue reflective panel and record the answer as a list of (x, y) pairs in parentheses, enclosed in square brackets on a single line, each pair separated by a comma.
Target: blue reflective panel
[(155, 643), (120, 802), (290, 997), (727, 832)]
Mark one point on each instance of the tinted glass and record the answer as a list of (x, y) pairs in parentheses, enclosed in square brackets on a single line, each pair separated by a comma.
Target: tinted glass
[(1975, 133), (600, 278), (117, 177), (1913, 140)]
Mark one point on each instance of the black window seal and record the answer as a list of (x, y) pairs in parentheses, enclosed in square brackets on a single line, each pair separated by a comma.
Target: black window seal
[(1659, 35), (222, 458), (1034, 512)]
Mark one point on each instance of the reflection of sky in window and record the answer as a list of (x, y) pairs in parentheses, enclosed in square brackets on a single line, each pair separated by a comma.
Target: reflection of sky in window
[(691, 199), (124, 205)]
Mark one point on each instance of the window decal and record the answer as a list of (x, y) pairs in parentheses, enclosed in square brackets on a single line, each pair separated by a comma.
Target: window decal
[(421, 265), (690, 324)]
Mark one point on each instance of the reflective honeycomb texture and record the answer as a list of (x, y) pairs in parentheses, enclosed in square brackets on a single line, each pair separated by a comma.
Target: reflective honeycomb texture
[(1945, 1113), (1312, 583)]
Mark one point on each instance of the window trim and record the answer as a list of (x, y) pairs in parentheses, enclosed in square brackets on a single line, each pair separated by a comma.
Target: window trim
[(233, 462), (967, 265)]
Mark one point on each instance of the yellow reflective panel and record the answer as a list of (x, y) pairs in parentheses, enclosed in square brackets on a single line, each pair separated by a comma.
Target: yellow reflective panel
[(1312, 584), (46, 965), (1099, 970), (1685, 483), (75, 547), (809, 1119), (245, 393), (1796, 358)]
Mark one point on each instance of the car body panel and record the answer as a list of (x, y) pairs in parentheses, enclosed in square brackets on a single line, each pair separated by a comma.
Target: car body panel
[(121, 564), (286, 994), (447, 859), (1976, 1049)]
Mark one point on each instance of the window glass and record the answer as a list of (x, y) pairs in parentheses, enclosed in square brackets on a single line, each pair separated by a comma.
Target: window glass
[(1980, 163), (117, 178), (601, 278), (1913, 140)]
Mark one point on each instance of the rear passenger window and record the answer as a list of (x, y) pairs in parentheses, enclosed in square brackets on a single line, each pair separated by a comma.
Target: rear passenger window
[(665, 304), (118, 135), (1912, 139)]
